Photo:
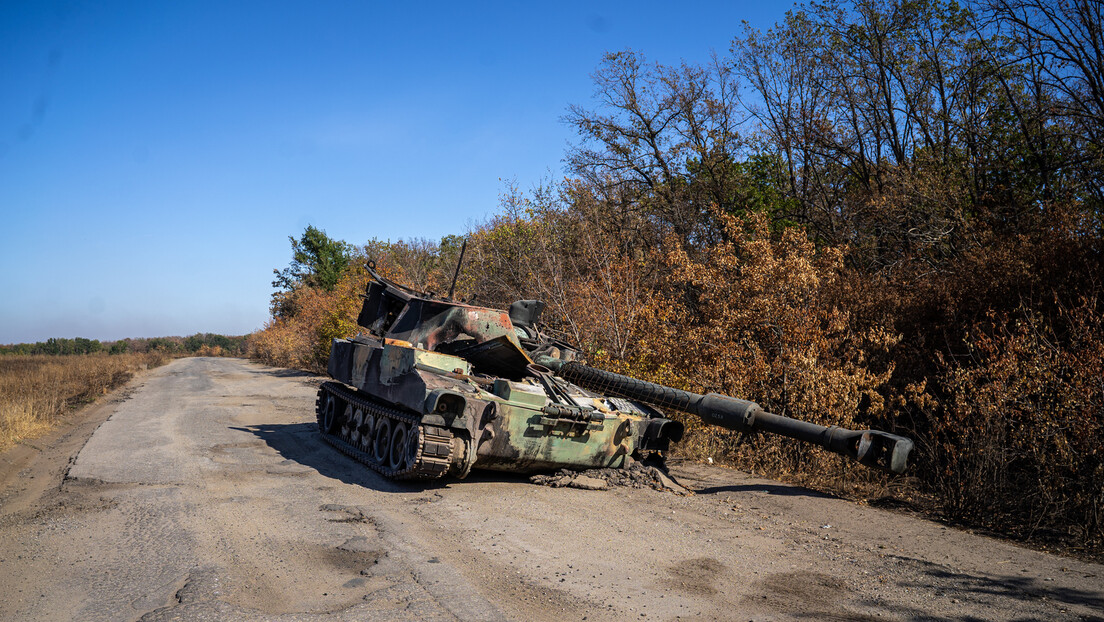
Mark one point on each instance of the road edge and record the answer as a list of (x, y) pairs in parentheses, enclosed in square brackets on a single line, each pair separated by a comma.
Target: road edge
[(32, 467)]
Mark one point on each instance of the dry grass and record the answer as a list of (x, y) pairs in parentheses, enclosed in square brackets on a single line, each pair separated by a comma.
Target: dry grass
[(37, 391)]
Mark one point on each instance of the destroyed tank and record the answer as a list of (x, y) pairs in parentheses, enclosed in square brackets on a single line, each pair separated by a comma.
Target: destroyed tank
[(436, 387)]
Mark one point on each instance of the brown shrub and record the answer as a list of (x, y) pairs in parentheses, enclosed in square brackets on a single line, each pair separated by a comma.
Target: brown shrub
[(302, 340), (749, 317), (1021, 437), (207, 350)]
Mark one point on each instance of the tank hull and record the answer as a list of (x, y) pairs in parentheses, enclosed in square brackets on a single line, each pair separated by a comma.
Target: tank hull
[(495, 423)]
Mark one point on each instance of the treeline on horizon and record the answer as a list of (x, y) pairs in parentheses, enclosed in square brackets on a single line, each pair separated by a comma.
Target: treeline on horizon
[(879, 214), (204, 344)]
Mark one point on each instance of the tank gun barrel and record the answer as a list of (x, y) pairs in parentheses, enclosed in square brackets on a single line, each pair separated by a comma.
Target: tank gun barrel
[(872, 448)]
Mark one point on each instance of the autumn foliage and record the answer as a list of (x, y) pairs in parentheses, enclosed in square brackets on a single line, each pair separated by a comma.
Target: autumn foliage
[(756, 315), (302, 339), (879, 214)]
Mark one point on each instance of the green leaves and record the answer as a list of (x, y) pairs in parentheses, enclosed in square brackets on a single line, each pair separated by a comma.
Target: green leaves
[(317, 261)]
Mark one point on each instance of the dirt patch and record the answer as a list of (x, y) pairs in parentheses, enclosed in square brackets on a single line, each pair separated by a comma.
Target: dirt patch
[(696, 576), (349, 561), (805, 593), (231, 453)]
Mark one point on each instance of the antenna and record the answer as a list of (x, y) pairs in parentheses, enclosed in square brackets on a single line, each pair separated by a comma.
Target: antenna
[(459, 262)]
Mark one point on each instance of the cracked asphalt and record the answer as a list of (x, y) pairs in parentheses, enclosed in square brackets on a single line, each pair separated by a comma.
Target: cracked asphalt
[(202, 492)]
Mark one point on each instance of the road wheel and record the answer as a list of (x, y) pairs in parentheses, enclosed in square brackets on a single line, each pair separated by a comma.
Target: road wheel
[(398, 445), (357, 422), (347, 422), (367, 429), (413, 443), (329, 415), (382, 441)]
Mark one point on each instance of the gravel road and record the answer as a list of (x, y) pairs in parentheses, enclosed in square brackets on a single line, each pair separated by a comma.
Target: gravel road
[(206, 494)]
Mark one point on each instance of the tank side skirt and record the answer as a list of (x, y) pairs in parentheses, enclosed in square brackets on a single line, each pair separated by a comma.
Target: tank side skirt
[(434, 452)]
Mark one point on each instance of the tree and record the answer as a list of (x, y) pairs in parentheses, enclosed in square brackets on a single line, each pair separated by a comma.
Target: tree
[(653, 123), (1058, 48), (317, 261)]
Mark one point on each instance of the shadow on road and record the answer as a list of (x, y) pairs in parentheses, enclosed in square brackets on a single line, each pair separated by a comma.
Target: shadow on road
[(781, 490), (287, 373), (950, 584), (710, 480), (301, 377), (277, 372), (301, 443)]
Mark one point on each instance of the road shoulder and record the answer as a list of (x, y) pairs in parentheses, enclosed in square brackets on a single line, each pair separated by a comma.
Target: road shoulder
[(32, 469)]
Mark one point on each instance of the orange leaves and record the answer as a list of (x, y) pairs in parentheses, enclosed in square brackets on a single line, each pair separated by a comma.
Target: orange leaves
[(302, 340), (754, 316)]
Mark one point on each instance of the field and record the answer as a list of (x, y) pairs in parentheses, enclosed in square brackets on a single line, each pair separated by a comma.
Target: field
[(38, 391)]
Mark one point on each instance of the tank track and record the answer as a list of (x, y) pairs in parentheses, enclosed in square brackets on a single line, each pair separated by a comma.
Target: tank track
[(431, 452)]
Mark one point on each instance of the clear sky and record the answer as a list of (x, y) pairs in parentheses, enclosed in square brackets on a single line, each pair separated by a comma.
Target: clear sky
[(155, 156)]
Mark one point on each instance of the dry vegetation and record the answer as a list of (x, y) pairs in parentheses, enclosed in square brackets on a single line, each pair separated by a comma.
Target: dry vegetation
[(877, 214), (37, 391)]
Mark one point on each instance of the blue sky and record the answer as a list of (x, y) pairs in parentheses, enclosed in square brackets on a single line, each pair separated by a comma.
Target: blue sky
[(155, 156)]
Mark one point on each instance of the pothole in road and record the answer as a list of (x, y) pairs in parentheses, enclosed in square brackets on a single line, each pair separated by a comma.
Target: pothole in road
[(352, 561), (347, 514), (234, 453)]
